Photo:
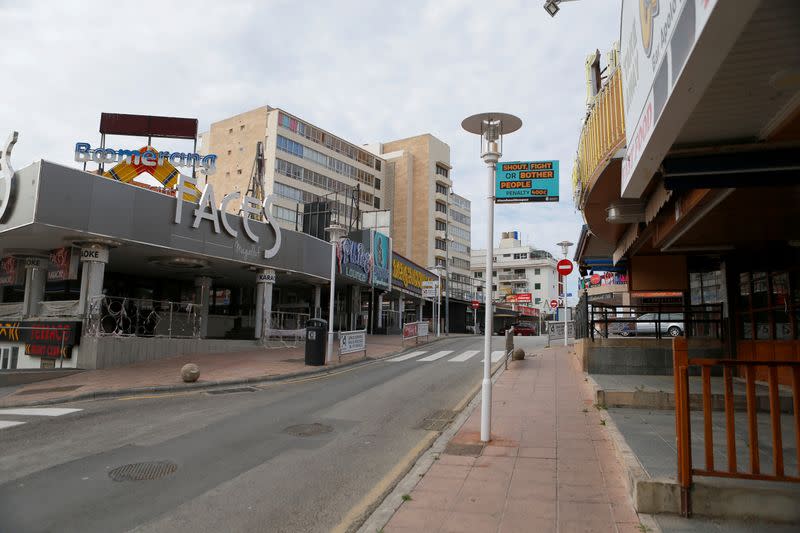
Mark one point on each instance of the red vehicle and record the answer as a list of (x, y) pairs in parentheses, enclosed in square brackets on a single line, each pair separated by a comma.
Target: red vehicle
[(524, 329)]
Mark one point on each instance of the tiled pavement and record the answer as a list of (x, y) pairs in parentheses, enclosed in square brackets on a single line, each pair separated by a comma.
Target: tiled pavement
[(549, 467), (258, 363)]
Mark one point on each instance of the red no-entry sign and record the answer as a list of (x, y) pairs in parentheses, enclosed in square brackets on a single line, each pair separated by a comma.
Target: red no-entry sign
[(564, 267), (475, 304), (554, 304)]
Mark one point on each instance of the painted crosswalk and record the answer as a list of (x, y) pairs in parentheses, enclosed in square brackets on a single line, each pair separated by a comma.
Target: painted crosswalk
[(437, 355), (466, 356), (423, 356), (31, 411)]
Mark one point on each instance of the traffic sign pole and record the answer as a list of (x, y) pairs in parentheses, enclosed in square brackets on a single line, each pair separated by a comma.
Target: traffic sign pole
[(564, 268)]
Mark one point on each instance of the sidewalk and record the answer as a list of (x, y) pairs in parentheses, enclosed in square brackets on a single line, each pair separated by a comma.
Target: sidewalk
[(549, 467), (164, 374)]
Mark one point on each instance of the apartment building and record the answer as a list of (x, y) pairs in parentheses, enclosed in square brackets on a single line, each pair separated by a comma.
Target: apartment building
[(519, 269), (303, 164), (426, 213)]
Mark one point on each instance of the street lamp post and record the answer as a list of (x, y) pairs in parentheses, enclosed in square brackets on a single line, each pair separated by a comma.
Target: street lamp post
[(565, 249), (335, 233), (491, 127), (447, 266)]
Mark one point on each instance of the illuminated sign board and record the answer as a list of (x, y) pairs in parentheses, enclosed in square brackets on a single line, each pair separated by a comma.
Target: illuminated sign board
[(408, 276), (145, 157), (354, 260), (381, 264), (526, 181)]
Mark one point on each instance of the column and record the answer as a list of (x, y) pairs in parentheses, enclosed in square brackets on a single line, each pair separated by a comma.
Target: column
[(317, 301), (35, 280), (419, 310), (265, 279), (94, 257), (380, 310), (401, 308), (202, 298)]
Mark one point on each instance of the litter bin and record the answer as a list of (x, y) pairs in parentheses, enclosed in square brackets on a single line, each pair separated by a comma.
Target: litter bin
[(316, 341)]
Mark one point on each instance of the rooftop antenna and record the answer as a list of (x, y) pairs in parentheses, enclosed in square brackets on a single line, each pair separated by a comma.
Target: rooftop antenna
[(256, 186)]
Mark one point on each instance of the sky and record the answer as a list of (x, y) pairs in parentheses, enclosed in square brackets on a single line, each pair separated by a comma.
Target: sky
[(368, 71)]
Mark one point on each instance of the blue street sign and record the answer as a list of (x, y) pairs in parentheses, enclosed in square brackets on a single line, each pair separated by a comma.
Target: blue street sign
[(526, 181)]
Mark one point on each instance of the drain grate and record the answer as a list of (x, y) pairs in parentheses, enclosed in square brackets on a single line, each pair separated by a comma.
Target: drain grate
[(308, 430), (231, 391), (473, 450), (437, 421), (143, 471)]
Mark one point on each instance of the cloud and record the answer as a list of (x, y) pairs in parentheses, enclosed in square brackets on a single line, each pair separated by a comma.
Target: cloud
[(368, 71)]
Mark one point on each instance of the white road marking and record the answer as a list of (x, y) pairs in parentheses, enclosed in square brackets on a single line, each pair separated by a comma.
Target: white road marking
[(407, 356), (496, 356), (39, 411), (437, 355), (464, 356), (9, 424)]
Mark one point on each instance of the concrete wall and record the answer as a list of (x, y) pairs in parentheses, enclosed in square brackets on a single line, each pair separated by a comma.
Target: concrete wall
[(107, 352), (638, 356)]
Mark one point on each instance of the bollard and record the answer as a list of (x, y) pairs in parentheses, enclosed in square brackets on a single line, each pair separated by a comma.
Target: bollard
[(190, 372), (509, 344)]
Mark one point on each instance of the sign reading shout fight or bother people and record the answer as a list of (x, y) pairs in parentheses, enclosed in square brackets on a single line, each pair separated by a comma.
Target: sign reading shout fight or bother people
[(526, 181)]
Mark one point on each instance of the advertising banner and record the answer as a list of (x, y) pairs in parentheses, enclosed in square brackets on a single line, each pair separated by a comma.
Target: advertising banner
[(526, 181), (64, 264), (352, 341), (408, 276), (44, 339), (381, 264), (10, 271), (524, 297), (657, 38), (354, 260), (410, 330)]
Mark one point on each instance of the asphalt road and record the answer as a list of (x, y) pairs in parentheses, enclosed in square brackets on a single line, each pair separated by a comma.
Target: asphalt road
[(239, 465)]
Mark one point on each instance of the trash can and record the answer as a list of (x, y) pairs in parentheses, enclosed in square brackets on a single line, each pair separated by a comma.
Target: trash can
[(316, 341)]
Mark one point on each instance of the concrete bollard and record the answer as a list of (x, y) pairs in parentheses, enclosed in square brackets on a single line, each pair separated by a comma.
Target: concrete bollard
[(190, 372), (509, 340), (518, 354)]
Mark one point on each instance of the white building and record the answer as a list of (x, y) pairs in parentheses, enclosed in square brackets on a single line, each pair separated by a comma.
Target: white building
[(520, 272)]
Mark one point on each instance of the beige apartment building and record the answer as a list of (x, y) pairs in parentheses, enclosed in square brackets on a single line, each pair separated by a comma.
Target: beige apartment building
[(426, 214), (302, 164)]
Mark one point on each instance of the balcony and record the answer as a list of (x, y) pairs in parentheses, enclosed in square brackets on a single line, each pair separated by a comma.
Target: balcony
[(509, 278), (597, 170)]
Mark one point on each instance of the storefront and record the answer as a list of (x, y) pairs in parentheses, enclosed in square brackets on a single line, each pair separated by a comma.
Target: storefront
[(405, 303)]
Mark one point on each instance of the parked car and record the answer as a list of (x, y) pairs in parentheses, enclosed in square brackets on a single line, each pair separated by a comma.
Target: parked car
[(645, 325), (524, 329)]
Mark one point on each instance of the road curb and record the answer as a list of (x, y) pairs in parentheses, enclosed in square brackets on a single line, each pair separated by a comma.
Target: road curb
[(387, 504), (206, 385)]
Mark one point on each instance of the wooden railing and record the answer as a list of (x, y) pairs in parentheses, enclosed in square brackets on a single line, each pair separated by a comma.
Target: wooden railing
[(602, 134), (683, 427)]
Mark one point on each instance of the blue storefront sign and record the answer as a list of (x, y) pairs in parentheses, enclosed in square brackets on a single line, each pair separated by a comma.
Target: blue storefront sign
[(381, 261), (354, 260), (526, 181)]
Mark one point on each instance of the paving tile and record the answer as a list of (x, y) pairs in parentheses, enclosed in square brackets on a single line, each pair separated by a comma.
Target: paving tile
[(584, 511), (446, 459), (439, 484), (500, 451), (444, 470), (431, 499), (582, 493), (472, 522), (518, 524), (586, 526), (536, 452), (418, 519)]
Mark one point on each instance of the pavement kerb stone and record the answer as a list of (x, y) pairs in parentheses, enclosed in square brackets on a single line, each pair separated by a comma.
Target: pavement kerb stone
[(388, 504), (205, 385)]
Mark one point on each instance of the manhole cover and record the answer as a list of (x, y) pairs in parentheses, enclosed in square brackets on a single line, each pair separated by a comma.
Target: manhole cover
[(437, 420), (231, 391), (143, 471), (473, 450), (308, 430)]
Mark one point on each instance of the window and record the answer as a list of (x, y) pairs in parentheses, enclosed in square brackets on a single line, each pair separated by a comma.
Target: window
[(537, 286), (441, 262), (494, 273), (378, 183), (458, 262), (537, 301), (459, 217), (768, 305), (458, 247), (460, 233), (287, 215), (377, 164), (521, 256), (441, 226), (478, 274), (441, 189), (241, 128), (230, 130), (519, 271), (239, 171), (506, 255), (441, 244), (441, 207), (442, 171), (229, 152), (377, 203), (537, 271)]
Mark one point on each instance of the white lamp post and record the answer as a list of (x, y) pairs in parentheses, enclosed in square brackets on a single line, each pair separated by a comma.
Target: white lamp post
[(335, 233), (491, 127), (565, 249)]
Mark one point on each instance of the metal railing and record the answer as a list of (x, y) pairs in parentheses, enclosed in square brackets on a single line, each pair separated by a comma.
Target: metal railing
[(658, 320), (683, 426), (141, 317), (603, 133)]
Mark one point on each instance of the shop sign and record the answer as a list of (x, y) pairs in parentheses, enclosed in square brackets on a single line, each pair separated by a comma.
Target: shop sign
[(146, 157), (429, 293), (208, 210), (266, 276), (526, 181), (511, 298), (657, 38), (354, 260), (529, 311), (42, 338), (9, 271), (352, 341), (524, 297), (381, 265), (63, 264), (94, 254), (422, 329), (406, 275)]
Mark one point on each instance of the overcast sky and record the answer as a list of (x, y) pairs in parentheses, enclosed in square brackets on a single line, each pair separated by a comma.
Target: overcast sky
[(367, 71)]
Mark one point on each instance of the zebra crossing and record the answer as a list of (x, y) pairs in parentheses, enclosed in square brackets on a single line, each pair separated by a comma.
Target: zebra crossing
[(30, 412), (422, 356)]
